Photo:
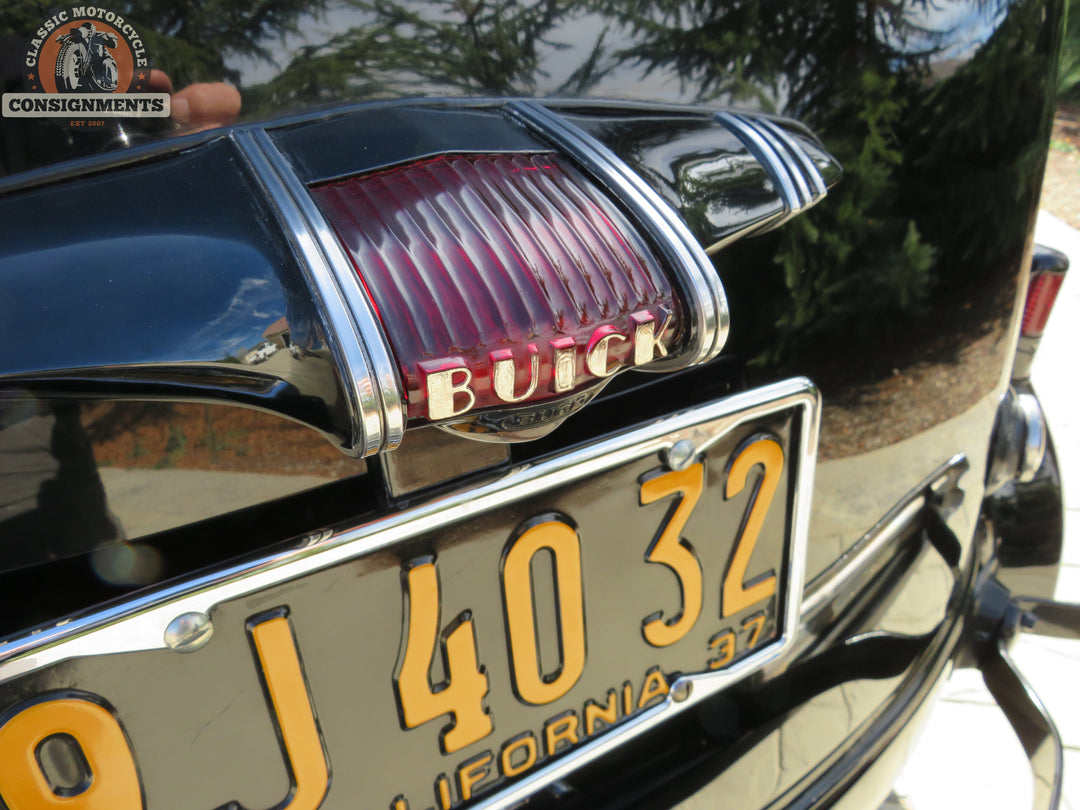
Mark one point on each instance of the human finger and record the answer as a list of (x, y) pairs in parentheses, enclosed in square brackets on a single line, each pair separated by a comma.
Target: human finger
[(209, 103)]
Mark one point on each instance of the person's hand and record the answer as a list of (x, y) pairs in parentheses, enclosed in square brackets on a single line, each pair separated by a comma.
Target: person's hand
[(202, 105)]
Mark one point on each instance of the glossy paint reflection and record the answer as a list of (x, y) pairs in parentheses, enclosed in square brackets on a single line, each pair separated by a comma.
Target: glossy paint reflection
[(894, 295), (91, 479), (167, 280), (52, 502), (207, 298), (909, 264)]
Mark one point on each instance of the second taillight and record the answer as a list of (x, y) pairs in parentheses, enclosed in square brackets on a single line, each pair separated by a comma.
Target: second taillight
[(1047, 274), (1041, 295)]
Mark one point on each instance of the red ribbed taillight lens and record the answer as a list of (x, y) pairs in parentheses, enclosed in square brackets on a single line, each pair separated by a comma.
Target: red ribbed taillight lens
[(1041, 294), (501, 279)]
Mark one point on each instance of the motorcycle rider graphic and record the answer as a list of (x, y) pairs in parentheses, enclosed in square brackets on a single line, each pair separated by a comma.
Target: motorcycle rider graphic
[(84, 63)]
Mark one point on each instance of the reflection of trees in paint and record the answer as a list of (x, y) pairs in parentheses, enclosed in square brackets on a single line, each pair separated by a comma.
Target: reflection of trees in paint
[(866, 76), (424, 48), (922, 126)]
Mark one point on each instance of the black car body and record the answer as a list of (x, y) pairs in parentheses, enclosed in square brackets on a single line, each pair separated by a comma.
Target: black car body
[(251, 550)]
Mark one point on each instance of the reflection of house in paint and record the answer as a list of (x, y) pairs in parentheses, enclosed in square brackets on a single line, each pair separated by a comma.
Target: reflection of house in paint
[(278, 333), (275, 338)]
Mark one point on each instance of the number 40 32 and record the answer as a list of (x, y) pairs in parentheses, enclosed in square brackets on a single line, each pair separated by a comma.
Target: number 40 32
[(461, 694)]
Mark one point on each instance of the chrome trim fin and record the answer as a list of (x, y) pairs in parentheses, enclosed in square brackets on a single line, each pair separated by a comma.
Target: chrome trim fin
[(373, 383), (803, 198), (798, 180), (808, 168), (698, 279)]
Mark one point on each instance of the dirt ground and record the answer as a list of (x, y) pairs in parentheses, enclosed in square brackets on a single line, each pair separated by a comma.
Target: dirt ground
[(1061, 186)]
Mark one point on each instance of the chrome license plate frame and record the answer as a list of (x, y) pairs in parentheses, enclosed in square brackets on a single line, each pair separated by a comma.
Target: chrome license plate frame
[(144, 623)]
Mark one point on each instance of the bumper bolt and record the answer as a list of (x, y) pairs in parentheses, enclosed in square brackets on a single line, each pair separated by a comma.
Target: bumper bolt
[(189, 632), (682, 691), (679, 455)]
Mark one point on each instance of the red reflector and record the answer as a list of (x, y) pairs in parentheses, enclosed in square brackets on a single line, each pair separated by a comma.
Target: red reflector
[(501, 279), (1042, 292)]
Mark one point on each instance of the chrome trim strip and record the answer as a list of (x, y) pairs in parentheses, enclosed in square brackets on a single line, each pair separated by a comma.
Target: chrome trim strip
[(374, 342), (774, 163), (376, 406), (698, 279), (140, 623), (809, 170), (1031, 458), (835, 580), (780, 150), (364, 405), (846, 570)]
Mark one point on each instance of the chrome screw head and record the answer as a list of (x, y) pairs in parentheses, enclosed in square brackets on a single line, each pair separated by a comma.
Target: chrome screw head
[(682, 690), (680, 454), (189, 632)]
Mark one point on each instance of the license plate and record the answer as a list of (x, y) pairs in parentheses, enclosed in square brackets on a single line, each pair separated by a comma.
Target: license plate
[(465, 652)]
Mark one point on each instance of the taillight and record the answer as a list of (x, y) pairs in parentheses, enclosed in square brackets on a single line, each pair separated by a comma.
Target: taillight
[(1047, 272), (1042, 292), (502, 280)]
